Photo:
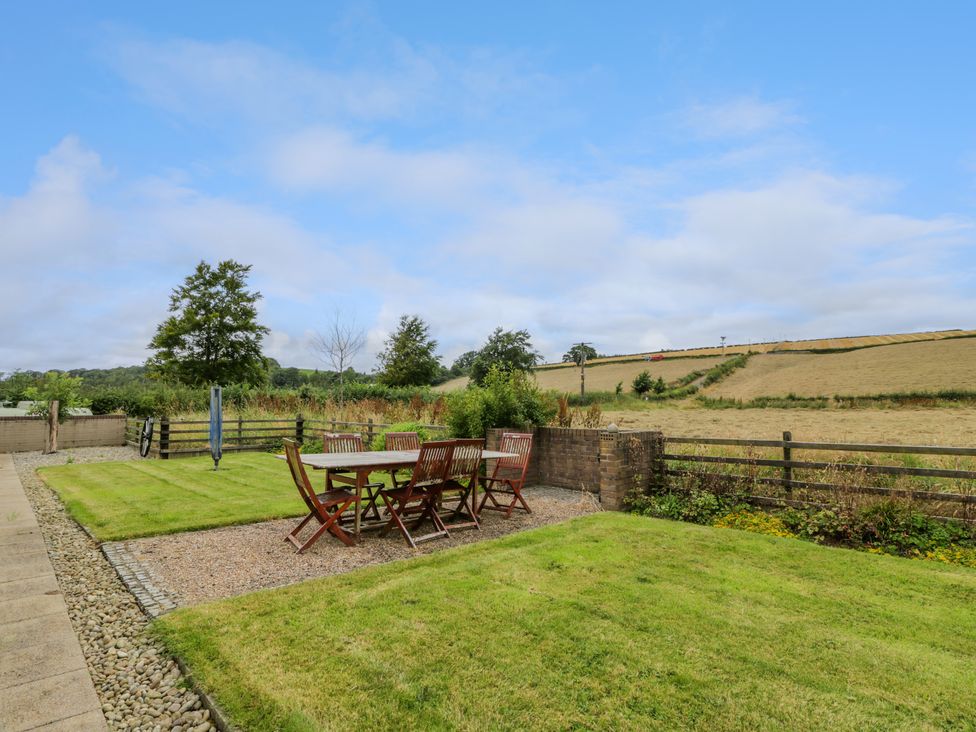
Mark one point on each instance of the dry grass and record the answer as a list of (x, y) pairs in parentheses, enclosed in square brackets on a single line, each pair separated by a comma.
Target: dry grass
[(817, 344), (925, 366), (956, 426), (605, 376)]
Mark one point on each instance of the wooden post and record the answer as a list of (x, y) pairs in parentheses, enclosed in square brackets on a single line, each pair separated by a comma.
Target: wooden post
[(369, 432), (240, 430), (51, 440), (787, 453), (299, 429), (164, 438), (333, 424)]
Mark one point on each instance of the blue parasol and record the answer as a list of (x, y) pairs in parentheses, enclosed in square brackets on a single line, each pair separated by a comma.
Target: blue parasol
[(216, 424)]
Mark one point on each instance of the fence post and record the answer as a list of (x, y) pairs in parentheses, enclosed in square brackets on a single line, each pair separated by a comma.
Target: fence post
[(369, 431), (333, 425), (164, 438), (240, 430), (299, 429), (51, 438), (787, 455)]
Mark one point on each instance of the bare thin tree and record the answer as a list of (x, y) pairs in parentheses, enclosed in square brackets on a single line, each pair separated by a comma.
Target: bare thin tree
[(338, 345)]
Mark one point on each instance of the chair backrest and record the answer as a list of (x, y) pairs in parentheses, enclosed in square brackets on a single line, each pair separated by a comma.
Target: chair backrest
[(402, 441), (432, 463), (298, 474), (466, 458), (516, 467), (338, 442)]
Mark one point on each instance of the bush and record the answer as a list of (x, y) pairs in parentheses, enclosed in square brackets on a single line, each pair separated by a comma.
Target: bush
[(642, 383), (695, 506), (758, 522), (506, 400), (379, 440)]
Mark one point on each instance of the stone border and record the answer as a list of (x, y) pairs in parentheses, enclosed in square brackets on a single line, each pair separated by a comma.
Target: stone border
[(153, 600)]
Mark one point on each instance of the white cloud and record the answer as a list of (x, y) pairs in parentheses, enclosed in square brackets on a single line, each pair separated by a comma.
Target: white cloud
[(743, 116)]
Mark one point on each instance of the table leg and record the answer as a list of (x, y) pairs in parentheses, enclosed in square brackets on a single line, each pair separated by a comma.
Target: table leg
[(360, 482)]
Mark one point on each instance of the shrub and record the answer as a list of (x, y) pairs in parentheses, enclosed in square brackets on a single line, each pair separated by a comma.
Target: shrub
[(696, 506), (642, 383), (379, 440), (506, 400), (758, 522)]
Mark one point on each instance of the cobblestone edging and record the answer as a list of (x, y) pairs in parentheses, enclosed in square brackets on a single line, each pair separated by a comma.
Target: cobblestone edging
[(153, 600)]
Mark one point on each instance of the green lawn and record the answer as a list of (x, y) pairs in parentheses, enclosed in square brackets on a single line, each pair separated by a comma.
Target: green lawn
[(148, 497), (609, 621)]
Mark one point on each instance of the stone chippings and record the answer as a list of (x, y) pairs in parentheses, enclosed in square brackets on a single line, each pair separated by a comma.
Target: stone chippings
[(139, 685)]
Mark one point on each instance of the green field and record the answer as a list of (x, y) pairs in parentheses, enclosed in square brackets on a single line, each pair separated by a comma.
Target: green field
[(609, 621), (148, 497)]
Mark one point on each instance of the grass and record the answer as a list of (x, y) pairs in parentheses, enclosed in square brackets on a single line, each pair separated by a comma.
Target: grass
[(610, 621), (149, 497)]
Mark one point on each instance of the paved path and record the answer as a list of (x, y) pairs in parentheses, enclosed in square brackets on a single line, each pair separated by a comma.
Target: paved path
[(44, 682)]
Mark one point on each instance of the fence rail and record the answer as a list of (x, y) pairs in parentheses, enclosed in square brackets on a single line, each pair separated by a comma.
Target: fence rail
[(818, 493), (186, 438)]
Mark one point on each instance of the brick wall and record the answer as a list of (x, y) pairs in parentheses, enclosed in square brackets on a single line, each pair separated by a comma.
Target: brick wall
[(609, 464), (26, 434)]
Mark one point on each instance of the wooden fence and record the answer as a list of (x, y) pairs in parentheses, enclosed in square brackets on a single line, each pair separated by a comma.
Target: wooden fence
[(187, 438), (959, 497)]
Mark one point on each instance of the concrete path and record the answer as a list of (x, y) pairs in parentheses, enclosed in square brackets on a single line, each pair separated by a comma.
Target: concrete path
[(44, 682)]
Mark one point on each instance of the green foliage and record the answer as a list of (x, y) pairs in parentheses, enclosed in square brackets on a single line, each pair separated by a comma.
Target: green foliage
[(507, 351), (758, 522), (379, 440), (14, 387), (697, 506), (56, 386), (618, 390), (579, 354), (717, 373), (643, 383), (508, 399), (408, 357), (213, 336), (462, 364)]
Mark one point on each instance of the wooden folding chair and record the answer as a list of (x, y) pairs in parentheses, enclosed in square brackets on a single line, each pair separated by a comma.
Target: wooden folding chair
[(508, 477), (340, 442), (401, 441), (326, 508), (424, 489), (462, 480)]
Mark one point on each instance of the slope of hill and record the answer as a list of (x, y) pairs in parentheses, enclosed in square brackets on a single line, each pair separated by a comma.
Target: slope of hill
[(819, 344), (903, 367), (604, 376)]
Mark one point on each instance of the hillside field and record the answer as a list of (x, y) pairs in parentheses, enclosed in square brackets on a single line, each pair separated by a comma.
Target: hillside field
[(605, 376), (779, 346), (945, 426), (905, 367)]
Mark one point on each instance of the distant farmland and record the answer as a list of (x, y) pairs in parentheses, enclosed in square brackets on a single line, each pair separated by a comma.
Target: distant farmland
[(818, 344), (605, 376), (923, 366)]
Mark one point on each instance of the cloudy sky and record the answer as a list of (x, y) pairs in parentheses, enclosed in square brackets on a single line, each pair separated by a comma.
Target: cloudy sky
[(638, 175)]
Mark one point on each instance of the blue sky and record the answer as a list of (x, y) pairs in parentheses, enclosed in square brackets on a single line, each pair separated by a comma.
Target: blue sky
[(636, 175)]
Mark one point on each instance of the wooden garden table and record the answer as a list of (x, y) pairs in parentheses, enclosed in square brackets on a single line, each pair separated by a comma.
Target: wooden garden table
[(364, 463)]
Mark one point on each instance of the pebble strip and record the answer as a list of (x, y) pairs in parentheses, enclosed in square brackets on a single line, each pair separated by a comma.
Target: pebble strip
[(139, 685)]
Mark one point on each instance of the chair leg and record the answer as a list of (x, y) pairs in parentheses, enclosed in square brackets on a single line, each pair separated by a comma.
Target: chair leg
[(395, 519), (293, 534)]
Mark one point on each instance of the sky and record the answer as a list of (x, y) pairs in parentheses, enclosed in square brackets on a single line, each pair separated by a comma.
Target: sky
[(635, 175)]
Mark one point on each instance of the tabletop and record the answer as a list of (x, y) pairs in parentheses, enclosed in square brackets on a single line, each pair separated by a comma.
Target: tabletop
[(375, 459)]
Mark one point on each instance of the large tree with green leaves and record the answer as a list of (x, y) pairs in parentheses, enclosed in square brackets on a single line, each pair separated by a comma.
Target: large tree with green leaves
[(408, 358), (213, 336), (506, 350), (579, 354)]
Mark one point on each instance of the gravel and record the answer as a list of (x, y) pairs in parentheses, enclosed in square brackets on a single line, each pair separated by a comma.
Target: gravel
[(198, 566), (139, 685)]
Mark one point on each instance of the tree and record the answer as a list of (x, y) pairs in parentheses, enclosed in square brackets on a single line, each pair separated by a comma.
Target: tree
[(509, 351), (213, 336), (580, 353), (463, 363), (59, 387), (338, 345), (643, 383), (407, 358)]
